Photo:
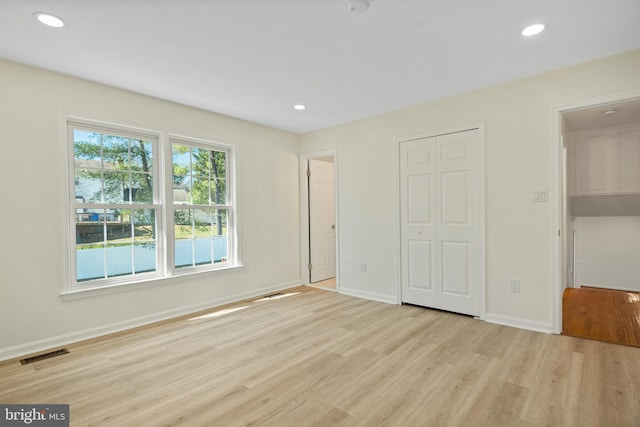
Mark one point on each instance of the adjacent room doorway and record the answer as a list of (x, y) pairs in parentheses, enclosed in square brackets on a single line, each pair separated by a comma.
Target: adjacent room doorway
[(599, 199), (319, 219)]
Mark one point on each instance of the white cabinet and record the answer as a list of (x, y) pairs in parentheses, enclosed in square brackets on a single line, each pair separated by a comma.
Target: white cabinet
[(607, 252), (607, 163)]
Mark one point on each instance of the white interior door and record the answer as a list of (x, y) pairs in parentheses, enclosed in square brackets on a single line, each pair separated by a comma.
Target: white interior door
[(441, 230), (322, 233)]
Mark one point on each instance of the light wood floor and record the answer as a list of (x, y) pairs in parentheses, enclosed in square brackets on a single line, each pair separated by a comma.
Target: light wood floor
[(602, 314), (319, 358), (326, 284)]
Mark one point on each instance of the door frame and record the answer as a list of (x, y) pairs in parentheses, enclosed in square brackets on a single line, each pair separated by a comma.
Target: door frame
[(480, 126), (304, 213), (557, 196)]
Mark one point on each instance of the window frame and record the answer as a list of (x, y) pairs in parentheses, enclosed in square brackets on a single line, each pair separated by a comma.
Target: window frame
[(162, 202), (230, 205)]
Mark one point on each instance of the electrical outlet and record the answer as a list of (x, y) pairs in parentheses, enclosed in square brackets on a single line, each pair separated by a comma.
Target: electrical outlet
[(515, 285)]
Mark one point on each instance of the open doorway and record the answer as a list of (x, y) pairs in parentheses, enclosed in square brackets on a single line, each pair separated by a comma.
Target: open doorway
[(319, 229), (599, 183)]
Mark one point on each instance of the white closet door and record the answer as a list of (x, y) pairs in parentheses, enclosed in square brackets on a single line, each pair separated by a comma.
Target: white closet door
[(441, 186), (418, 231)]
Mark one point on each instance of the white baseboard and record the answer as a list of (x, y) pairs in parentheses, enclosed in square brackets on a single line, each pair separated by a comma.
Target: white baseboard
[(66, 339), (369, 295), (519, 323)]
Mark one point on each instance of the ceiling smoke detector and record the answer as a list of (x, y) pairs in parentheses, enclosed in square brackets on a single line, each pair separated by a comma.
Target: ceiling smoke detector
[(358, 6)]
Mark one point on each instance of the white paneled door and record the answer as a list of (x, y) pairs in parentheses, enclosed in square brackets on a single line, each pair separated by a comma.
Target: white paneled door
[(322, 235), (441, 183)]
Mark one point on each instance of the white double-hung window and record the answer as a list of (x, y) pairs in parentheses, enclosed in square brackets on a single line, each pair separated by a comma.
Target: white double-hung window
[(201, 210), (144, 209)]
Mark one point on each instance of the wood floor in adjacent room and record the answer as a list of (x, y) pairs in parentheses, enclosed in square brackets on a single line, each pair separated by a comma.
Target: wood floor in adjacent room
[(319, 358), (602, 314)]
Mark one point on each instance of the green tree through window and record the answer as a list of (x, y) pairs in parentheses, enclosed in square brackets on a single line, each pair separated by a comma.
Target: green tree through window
[(127, 226), (115, 213), (201, 220)]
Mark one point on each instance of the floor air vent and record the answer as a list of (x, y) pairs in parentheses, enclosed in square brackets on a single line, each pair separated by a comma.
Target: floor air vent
[(278, 294), (39, 357)]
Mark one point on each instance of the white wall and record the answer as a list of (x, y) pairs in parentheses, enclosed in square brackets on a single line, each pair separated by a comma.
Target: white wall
[(519, 233), (607, 252), (33, 104)]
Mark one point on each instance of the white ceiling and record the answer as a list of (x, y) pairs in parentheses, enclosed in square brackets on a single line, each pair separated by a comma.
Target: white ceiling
[(254, 59), (594, 117)]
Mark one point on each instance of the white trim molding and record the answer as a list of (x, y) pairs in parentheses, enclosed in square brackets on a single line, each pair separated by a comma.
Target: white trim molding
[(373, 296), (514, 322)]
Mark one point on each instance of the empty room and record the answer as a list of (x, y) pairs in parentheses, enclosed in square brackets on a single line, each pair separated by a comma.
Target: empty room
[(328, 213)]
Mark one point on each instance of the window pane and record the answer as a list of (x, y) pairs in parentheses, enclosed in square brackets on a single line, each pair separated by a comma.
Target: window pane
[(219, 192), (145, 256), (201, 162), (115, 184), (115, 152), (119, 259), (89, 244), (87, 147), (144, 224), (118, 225), (200, 192), (182, 189), (89, 226), (183, 229), (220, 239), (141, 155), (219, 175), (219, 167), (119, 250), (141, 190), (203, 251), (181, 155), (184, 253), (144, 240), (203, 220), (89, 262), (88, 185)]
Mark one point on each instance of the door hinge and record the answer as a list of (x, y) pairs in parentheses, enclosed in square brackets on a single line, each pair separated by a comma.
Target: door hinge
[(308, 172), (310, 266)]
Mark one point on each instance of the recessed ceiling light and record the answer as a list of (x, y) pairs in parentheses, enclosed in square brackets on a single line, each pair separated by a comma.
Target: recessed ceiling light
[(532, 30), (300, 107), (49, 19)]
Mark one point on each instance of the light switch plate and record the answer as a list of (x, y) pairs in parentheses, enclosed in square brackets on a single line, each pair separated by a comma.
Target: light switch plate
[(540, 196)]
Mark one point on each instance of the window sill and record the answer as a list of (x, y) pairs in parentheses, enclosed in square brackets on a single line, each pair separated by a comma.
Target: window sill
[(88, 292)]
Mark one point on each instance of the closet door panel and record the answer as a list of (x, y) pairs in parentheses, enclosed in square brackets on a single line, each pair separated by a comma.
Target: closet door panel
[(441, 231)]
